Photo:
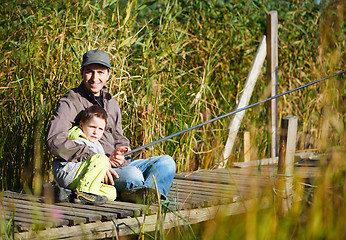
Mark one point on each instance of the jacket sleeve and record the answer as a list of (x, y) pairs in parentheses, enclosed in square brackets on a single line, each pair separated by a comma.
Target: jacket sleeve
[(57, 140), (113, 136), (121, 140)]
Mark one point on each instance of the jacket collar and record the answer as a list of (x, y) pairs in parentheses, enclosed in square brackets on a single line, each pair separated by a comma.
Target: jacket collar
[(76, 132), (104, 92)]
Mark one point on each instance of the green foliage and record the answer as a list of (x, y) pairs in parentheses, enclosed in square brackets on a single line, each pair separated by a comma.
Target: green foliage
[(176, 64)]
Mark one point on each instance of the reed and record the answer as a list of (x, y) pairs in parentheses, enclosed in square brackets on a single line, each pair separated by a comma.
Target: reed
[(184, 62), (187, 60)]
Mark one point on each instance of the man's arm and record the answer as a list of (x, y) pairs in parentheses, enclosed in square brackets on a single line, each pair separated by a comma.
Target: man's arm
[(57, 140), (113, 137), (122, 146)]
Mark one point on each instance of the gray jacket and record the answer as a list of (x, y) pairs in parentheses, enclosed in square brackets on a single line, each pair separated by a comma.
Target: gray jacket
[(66, 115)]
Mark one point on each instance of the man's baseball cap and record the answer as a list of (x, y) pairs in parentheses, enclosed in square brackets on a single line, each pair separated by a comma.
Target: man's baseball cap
[(96, 56)]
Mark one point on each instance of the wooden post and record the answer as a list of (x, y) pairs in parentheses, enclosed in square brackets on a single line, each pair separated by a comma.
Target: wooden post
[(247, 147), (288, 136), (272, 74), (244, 100)]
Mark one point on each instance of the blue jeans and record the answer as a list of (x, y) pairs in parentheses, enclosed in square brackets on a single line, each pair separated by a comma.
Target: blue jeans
[(139, 173)]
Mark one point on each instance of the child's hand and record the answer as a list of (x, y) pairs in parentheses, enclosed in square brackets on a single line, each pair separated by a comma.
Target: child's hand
[(108, 177)]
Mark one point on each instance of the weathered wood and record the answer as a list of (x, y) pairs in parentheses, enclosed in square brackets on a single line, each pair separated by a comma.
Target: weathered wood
[(273, 161), (288, 136), (244, 100), (196, 196), (41, 208), (200, 196), (131, 226), (219, 171), (208, 194), (26, 218), (262, 162), (214, 177), (32, 212), (272, 74), (204, 187), (247, 147)]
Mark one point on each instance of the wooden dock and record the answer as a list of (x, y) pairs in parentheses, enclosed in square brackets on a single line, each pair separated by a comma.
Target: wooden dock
[(194, 197)]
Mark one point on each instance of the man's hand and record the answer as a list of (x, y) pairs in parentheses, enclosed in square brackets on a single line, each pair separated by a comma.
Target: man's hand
[(108, 177), (117, 158)]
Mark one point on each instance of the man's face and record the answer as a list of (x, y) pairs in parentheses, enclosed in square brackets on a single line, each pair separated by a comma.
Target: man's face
[(95, 76), (93, 128)]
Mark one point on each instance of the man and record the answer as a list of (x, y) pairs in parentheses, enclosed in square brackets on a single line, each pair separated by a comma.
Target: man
[(133, 179)]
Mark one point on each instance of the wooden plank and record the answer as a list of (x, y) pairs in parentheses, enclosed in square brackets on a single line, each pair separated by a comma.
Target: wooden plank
[(225, 179), (120, 207), (265, 161), (22, 217), (65, 208), (229, 195), (187, 199), (298, 156), (107, 211), (211, 191), (90, 212), (20, 224), (188, 191), (224, 172), (207, 187), (178, 204), (130, 226), (48, 208), (204, 199), (31, 212), (247, 147), (196, 196), (138, 209), (67, 215), (244, 101), (272, 75), (226, 191), (288, 136)]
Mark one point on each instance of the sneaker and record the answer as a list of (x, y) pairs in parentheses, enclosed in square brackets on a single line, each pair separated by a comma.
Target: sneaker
[(141, 195), (89, 198)]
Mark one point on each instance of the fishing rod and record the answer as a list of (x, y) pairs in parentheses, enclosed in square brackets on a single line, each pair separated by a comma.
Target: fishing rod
[(230, 113)]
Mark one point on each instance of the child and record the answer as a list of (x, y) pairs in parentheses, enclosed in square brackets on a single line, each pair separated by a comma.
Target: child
[(86, 177)]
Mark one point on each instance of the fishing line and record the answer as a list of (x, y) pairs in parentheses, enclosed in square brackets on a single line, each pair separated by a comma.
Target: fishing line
[(230, 113)]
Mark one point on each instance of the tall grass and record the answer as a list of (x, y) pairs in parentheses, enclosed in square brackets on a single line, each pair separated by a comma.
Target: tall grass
[(185, 60), (176, 64)]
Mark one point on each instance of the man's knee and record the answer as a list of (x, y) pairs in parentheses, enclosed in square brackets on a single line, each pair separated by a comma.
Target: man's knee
[(129, 174), (167, 163)]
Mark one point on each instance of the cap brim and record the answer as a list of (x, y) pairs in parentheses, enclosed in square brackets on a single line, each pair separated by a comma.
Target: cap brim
[(98, 62)]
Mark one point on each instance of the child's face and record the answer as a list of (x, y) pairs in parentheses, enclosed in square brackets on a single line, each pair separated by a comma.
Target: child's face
[(93, 128)]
